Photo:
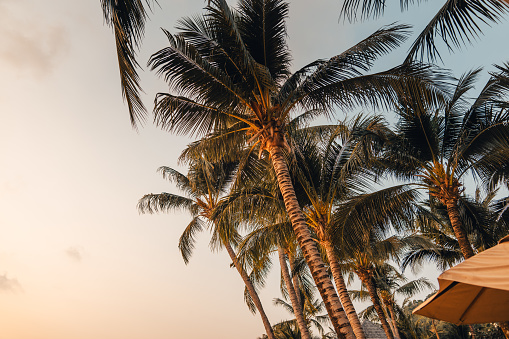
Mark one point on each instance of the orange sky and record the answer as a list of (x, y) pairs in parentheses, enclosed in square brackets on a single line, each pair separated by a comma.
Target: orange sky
[(76, 259)]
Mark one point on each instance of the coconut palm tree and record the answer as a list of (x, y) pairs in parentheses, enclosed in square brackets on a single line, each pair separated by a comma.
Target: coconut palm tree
[(330, 173), (313, 311), (279, 237), (363, 263), (440, 148), (456, 22), (205, 186), (230, 80), (391, 283), (438, 244)]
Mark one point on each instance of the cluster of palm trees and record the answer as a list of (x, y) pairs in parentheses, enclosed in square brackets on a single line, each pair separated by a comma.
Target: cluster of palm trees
[(262, 177)]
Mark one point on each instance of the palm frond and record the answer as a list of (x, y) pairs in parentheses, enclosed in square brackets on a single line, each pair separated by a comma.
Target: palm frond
[(368, 8), (165, 202), (263, 30), (457, 23), (249, 301), (193, 76), (426, 85), (127, 18), (455, 110), (415, 286), (188, 238)]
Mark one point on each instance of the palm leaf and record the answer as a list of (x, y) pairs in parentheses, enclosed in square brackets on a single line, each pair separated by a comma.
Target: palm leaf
[(127, 18), (188, 238), (263, 30), (456, 23), (165, 202)]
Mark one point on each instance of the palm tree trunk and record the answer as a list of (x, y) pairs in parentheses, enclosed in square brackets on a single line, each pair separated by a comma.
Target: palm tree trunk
[(370, 285), (394, 324), (308, 246), (295, 279), (459, 232), (505, 328), (297, 309), (250, 289), (435, 328), (343, 292), (472, 331)]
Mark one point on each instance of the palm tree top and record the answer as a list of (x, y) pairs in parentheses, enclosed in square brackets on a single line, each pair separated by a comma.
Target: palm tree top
[(228, 74)]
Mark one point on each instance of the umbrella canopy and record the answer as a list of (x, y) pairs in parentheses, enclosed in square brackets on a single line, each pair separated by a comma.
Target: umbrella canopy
[(475, 291)]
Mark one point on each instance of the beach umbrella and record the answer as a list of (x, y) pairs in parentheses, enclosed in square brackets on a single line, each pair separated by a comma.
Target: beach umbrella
[(474, 291)]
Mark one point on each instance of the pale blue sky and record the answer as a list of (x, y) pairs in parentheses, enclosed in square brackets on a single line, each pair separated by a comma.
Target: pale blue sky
[(76, 259)]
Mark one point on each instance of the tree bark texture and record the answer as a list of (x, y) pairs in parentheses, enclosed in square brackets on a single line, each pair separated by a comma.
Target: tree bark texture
[(459, 232), (343, 292), (250, 289), (297, 309), (393, 319), (295, 279), (309, 247), (370, 285)]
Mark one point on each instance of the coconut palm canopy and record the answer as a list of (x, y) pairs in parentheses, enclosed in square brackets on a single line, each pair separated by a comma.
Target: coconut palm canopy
[(77, 260), (229, 79)]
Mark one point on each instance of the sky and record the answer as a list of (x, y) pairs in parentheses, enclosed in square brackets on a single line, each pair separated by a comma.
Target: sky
[(76, 259)]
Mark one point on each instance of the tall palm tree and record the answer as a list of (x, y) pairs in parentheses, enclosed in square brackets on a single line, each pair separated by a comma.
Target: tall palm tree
[(205, 186), (456, 22), (229, 72), (440, 148), (328, 172)]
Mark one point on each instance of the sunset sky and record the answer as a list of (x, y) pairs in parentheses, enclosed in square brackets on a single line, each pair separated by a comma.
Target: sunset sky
[(77, 261)]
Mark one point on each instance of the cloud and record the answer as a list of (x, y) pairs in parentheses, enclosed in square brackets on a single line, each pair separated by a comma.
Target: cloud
[(74, 254), (9, 285), (29, 45)]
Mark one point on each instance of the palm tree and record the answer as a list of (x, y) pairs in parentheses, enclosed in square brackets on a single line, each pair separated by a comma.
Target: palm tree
[(230, 74), (329, 171), (391, 283), (313, 310), (440, 149), (438, 244), (264, 240), (205, 186), (456, 22), (364, 262)]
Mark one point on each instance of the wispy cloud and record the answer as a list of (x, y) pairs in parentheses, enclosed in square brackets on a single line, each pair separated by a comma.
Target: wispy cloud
[(29, 45), (74, 254), (9, 285)]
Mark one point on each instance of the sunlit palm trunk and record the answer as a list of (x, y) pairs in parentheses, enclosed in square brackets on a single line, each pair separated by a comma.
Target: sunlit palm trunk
[(394, 324), (389, 321), (297, 308), (505, 328), (370, 285), (250, 289), (295, 279), (435, 328), (308, 246), (343, 292), (459, 232)]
